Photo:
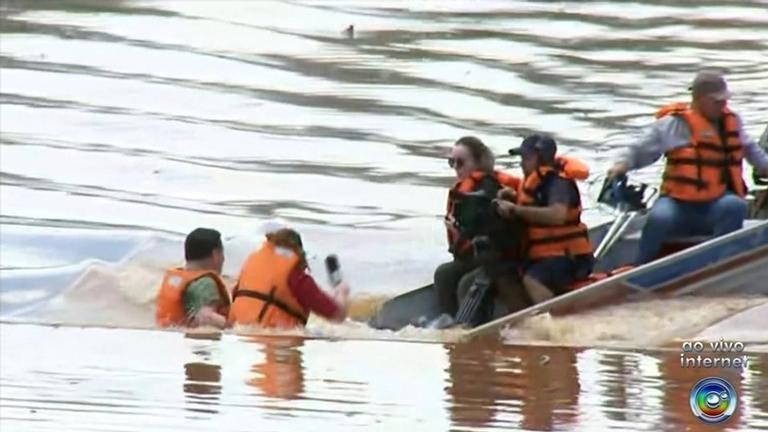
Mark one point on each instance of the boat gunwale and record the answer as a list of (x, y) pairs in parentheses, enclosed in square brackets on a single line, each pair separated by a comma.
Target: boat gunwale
[(621, 279)]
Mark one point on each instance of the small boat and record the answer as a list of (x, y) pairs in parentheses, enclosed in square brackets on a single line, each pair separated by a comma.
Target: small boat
[(729, 263)]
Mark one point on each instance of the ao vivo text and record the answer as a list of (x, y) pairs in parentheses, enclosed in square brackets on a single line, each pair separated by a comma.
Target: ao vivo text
[(719, 355)]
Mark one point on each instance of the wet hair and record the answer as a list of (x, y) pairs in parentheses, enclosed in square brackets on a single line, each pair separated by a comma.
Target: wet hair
[(479, 152), (201, 243), (290, 239)]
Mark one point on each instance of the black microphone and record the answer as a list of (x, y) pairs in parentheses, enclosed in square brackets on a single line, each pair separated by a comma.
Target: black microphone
[(333, 268)]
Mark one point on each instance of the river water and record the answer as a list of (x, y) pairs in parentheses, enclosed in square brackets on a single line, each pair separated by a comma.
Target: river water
[(125, 124)]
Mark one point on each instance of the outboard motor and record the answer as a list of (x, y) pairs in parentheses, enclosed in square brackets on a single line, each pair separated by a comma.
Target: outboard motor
[(618, 194)]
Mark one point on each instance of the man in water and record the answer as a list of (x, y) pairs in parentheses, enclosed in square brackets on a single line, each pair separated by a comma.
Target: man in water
[(704, 142), (195, 295)]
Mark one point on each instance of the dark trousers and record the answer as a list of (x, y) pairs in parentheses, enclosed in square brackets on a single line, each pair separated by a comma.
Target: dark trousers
[(448, 277), (557, 273), (506, 283), (454, 279)]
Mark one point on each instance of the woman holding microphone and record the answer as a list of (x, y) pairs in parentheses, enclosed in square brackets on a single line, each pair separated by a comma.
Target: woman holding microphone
[(274, 289)]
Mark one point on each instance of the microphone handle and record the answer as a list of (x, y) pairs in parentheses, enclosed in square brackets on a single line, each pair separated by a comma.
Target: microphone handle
[(333, 268)]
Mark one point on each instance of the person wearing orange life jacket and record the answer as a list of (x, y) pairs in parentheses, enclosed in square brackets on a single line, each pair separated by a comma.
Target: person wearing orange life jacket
[(195, 295), (557, 247), (473, 163), (702, 190), (274, 290)]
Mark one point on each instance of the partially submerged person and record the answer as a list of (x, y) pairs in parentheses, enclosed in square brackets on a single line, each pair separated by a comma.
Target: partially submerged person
[(557, 249), (702, 190), (274, 289), (473, 164), (195, 295)]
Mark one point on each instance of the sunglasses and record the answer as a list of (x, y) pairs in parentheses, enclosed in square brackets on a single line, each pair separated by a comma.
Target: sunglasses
[(455, 162)]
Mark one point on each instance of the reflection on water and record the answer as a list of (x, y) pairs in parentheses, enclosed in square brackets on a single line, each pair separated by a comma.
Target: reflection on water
[(513, 386), (169, 381), (280, 374), (202, 384)]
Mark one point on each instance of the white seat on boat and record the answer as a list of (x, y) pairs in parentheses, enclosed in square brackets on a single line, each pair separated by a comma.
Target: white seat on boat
[(752, 222)]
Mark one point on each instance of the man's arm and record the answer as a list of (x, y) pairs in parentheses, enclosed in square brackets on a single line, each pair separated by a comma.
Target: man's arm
[(764, 139), (200, 300), (208, 316), (644, 152), (753, 152), (559, 196), (662, 136)]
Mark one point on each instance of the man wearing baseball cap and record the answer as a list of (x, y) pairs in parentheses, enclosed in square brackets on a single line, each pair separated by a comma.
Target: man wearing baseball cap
[(702, 189), (558, 251)]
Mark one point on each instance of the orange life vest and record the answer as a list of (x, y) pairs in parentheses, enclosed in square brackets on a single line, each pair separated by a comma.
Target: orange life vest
[(262, 295), (703, 170), (470, 184), (570, 238), (169, 304)]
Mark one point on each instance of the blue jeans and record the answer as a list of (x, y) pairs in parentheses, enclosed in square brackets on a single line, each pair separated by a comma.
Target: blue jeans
[(673, 218), (557, 273)]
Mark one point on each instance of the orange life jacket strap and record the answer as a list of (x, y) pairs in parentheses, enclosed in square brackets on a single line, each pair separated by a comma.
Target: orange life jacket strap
[(694, 181), (270, 300), (558, 238), (719, 148), (566, 224), (703, 162)]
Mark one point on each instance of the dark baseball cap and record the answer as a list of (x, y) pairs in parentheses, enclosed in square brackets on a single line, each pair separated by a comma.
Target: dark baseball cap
[(542, 144), (710, 83)]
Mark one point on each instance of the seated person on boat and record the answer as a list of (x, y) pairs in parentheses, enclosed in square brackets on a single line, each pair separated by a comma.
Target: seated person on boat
[(702, 189), (195, 295), (468, 208), (274, 289), (557, 249)]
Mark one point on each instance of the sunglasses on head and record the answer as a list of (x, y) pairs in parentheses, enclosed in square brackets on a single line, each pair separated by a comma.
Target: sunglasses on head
[(455, 162)]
